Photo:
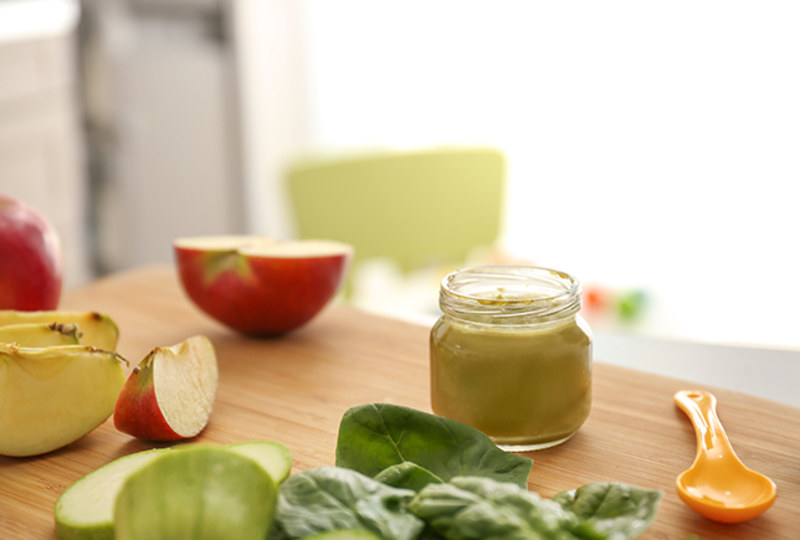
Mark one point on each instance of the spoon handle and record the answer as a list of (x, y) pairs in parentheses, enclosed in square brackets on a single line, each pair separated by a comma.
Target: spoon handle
[(701, 408)]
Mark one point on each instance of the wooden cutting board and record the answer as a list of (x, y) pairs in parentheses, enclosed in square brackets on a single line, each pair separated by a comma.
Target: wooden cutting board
[(296, 388)]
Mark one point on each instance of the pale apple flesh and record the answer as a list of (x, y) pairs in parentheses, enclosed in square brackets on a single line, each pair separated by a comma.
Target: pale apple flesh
[(40, 334), (31, 269), (170, 394), (260, 286), (96, 329), (52, 396)]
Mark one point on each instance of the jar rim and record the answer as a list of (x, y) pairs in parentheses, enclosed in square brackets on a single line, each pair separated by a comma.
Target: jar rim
[(524, 271), (510, 293)]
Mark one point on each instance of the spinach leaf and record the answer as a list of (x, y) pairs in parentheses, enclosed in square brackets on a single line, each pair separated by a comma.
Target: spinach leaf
[(609, 510), (332, 498), (481, 508), (375, 436), (343, 534), (407, 475)]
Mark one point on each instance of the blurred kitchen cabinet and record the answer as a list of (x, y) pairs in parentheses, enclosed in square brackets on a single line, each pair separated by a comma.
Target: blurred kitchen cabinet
[(41, 147), (160, 98)]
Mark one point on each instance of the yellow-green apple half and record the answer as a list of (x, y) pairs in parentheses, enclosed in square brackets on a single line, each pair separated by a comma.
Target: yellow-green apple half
[(96, 329), (52, 396), (30, 258), (169, 395), (261, 286)]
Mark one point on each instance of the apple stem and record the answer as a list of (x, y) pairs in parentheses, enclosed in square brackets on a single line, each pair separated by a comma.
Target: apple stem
[(119, 357)]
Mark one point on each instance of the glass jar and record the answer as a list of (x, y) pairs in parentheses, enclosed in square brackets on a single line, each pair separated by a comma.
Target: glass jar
[(511, 356)]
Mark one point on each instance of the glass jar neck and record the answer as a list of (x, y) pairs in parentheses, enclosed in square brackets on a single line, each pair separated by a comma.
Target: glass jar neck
[(510, 295)]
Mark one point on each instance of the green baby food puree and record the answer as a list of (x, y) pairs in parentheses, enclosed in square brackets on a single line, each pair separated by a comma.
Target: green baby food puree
[(527, 386)]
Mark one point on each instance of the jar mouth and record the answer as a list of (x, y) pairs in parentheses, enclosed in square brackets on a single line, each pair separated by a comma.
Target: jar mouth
[(510, 294)]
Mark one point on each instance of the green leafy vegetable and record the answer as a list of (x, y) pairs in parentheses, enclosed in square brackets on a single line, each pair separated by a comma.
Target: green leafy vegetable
[(481, 508), (407, 475), (615, 511), (377, 436), (334, 498), (344, 534)]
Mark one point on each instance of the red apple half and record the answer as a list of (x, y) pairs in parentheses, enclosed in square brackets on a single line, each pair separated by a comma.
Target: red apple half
[(30, 259), (169, 395), (261, 286)]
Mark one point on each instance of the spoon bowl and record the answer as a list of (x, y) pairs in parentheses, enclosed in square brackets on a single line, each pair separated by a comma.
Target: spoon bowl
[(718, 485)]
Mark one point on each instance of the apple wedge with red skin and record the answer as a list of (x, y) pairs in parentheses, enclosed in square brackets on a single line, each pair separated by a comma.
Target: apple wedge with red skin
[(259, 286), (169, 395), (30, 258)]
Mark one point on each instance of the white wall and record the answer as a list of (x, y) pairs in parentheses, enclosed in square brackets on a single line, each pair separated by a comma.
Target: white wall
[(649, 144), (41, 147), (268, 39)]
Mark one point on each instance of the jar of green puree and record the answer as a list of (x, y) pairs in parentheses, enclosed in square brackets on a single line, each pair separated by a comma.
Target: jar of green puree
[(511, 355)]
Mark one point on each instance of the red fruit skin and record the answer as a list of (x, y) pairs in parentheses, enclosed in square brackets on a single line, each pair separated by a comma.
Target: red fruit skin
[(30, 259), (136, 411), (255, 295)]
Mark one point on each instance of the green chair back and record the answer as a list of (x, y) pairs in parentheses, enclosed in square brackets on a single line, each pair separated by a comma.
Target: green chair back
[(430, 207)]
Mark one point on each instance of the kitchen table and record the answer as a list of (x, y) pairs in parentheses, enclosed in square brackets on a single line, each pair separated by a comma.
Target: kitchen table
[(295, 388)]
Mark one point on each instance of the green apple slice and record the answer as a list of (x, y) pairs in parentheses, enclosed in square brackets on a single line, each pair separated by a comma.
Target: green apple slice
[(85, 510), (273, 457), (52, 396), (97, 329), (40, 334), (198, 492)]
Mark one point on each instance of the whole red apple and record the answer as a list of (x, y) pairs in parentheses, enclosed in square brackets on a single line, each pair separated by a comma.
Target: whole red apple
[(30, 259), (260, 286)]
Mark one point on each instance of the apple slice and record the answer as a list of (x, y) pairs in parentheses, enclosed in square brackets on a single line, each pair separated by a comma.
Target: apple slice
[(274, 457), (169, 395), (200, 492), (260, 286), (96, 329), (52, 396), (40, 334), (85, 510)]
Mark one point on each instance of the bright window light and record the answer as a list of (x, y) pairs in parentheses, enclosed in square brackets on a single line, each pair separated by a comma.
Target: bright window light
[(650, 145)]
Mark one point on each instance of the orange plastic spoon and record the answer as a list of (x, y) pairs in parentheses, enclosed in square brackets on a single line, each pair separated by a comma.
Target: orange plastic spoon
[(718, 485)]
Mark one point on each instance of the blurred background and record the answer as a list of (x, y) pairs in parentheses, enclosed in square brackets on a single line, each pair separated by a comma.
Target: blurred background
[(651, 148)]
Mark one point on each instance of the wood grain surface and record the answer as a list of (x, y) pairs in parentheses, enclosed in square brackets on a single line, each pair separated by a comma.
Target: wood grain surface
[(295, 389)]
